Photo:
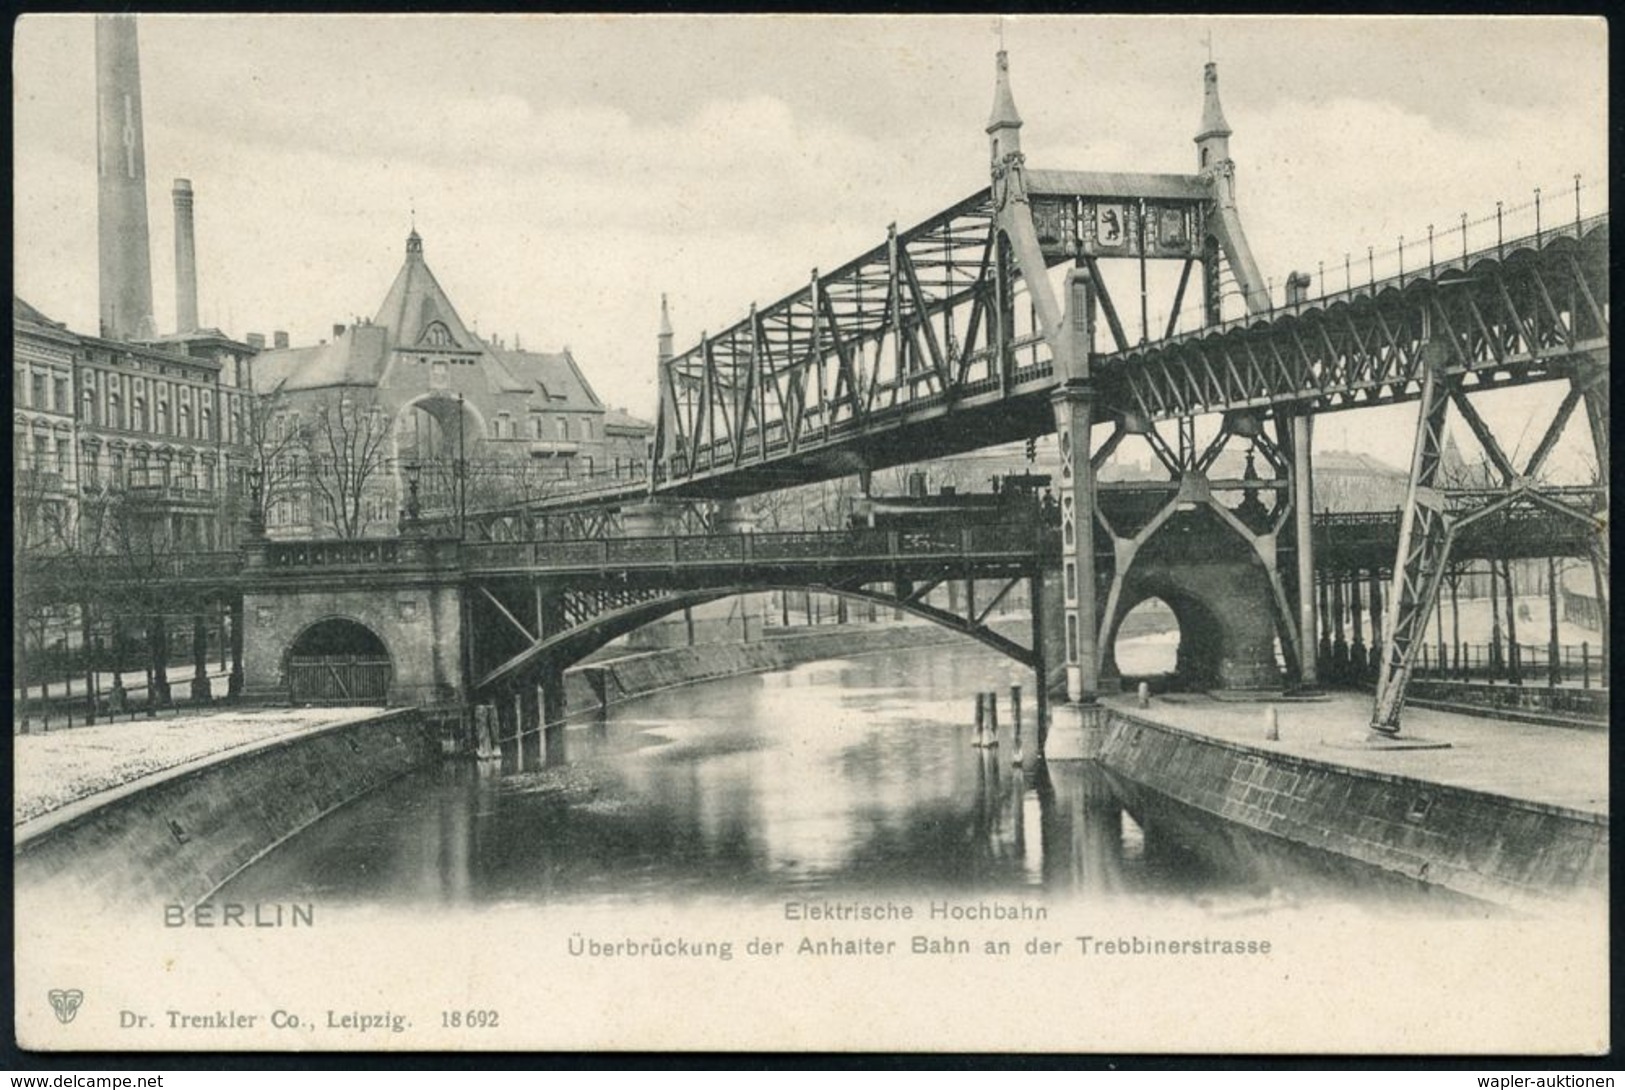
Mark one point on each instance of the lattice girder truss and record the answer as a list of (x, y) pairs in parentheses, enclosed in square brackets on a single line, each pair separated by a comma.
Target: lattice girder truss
[(925, 319), (1529, 312), (1436, 517)]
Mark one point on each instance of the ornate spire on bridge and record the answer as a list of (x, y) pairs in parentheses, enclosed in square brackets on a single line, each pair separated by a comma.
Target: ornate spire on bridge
[(1004, 104), (1215, 165), (1214, 126), (1004, 125)]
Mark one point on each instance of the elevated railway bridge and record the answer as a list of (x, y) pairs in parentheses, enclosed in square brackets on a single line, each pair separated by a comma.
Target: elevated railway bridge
[(993, 321)]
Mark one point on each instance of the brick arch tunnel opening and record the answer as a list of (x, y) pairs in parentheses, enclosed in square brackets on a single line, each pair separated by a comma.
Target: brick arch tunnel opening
[(1171, 640), (338, 661), (1147, 644), (1219, 594)]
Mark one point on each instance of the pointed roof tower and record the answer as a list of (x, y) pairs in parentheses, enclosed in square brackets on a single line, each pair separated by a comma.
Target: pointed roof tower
[(1213, 136), (1004, 114), (1004, 124), (664, 340), (416, 310)]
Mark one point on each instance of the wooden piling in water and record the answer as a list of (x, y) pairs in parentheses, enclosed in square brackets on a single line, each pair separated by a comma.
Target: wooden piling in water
[(1015, 720)]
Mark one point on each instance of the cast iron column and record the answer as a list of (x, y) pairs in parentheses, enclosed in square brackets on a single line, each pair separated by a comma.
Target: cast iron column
[(1303, 515), (1073, 403)]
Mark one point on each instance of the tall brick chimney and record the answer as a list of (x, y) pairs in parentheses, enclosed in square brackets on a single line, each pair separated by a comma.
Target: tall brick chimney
[(185, 259), (121, 193)]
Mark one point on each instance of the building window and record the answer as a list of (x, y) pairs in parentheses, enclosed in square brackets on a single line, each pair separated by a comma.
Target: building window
[(439, 376), (536, 427), (208, 424), (87, 407), (64, 457), (60, 401), (118, 469), (586, 429), (38, 401), (161, 418), (115, 410), (138, 414), (564, 427), (186, 422)]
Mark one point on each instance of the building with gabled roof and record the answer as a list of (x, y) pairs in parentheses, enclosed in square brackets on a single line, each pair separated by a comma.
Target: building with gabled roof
[(449, 394)]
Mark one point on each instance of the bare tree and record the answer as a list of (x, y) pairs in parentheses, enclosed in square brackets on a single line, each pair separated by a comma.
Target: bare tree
[(274, 439), (773, 510), (348, 443)]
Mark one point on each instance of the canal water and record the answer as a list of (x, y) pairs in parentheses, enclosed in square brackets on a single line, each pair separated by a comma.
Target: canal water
[(835, 778)]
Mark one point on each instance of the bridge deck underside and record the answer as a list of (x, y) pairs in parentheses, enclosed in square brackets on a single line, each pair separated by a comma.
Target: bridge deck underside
[(935, 429)]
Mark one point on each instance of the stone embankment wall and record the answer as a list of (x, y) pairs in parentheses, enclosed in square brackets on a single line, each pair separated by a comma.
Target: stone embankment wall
[(610, 679), (178, 836), (1488, 847)]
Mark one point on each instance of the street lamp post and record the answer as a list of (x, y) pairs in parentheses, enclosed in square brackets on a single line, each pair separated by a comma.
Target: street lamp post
[(256, 495), (409, 520), (462, 473)]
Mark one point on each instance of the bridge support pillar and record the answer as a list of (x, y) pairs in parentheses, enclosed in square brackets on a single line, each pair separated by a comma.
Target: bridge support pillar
[(530, 726), (1424, 545), (1073, 404), (1341, 672), (1035, 604), (731, 517), (554, 707), (1374, 597), (652, 519), (1303, 510)]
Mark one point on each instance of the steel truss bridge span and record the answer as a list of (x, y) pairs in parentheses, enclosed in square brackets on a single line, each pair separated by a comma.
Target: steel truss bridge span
[(905, 354)]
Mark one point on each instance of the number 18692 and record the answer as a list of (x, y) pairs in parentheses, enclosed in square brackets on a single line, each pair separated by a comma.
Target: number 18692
[(469, 1019)]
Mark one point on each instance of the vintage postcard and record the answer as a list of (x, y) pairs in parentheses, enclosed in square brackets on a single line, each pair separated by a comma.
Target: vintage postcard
[(1046, 534)]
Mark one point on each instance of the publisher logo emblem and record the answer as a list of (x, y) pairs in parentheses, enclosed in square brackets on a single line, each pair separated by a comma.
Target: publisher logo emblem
[(66, 1003)]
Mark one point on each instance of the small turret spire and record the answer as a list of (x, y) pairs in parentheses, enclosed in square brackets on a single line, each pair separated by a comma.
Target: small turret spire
[(414, 244), (664, 340), (1213, 122), (1004, 114)]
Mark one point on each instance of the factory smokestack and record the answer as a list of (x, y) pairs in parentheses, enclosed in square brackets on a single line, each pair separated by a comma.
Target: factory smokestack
[(185, 259), (121, 195)]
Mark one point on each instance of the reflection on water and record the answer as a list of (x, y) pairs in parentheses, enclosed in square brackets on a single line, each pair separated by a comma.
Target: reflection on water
[(833, 778)]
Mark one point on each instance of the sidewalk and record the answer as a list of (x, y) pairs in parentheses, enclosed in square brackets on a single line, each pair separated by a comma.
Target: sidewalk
[(55, 769), (135, 681), (1540, 764)]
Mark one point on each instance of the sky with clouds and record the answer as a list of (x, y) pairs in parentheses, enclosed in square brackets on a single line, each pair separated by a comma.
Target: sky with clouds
[(565, 171)]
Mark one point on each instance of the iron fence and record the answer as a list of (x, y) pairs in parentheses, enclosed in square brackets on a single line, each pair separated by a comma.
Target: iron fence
[(745, 548), (1527, 664)]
